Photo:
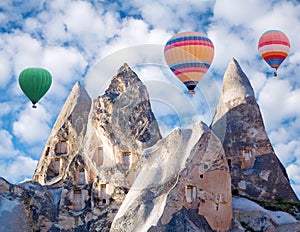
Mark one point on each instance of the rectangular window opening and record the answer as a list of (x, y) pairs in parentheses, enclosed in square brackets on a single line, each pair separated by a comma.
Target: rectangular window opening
[(36, 177), (126, 159), (61, 148), (77, 191)]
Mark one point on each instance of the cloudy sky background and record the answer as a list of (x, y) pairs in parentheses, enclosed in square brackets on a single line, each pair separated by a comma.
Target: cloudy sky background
[(87, 41)]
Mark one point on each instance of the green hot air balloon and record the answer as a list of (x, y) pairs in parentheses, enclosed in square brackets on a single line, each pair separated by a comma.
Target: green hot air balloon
[(35, 82)]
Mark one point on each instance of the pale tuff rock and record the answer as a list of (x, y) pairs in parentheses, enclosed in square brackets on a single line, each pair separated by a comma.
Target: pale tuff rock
[(105, 162), (89, 162), (26, 207), (124, 122), (125, 110), (259, 219), (13, 215), (184, 173), (236, 85), (255, 169), (66, 139)]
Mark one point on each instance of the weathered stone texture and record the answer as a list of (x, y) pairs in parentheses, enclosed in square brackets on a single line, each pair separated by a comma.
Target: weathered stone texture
[(105, 167), (185, 172), (66, 138), (255, 169)]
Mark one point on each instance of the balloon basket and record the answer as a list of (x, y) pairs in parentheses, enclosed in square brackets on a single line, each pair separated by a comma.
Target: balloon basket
[(34, 106), (191, 92)]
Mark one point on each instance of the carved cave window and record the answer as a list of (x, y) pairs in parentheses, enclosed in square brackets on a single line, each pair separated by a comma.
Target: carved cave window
[(103, 190), (36, 177), (103, 195), (126, 159), (190, 193), (81, 176), (77, 191), (61, 148), (247, 155), (98, 157), (229, 163), (77, 199), (247, 158), (57, 165), (47, 151)]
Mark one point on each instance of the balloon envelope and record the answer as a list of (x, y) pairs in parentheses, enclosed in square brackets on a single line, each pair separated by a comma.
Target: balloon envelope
[(189, 56), (35, 82), (274, 47)]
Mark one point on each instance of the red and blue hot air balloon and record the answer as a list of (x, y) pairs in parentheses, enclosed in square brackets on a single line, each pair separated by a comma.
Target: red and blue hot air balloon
[(189, 56), (274, 47)]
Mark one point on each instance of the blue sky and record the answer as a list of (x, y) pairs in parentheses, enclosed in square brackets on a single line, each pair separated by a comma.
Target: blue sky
[(88, 41)]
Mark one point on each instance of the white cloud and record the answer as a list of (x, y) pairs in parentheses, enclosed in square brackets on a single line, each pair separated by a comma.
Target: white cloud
[(239, 12), (32, 125), (5, 70), (294, 174), (18, 169), (5, 108), (64, 63), (24, 51), (176, 15), (134, 32), (258, 81), (278, 100), (288, 152), (7, 149)]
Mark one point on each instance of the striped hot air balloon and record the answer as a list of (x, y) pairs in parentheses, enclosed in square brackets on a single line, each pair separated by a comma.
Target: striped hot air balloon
[(189, 56), (274, 47)]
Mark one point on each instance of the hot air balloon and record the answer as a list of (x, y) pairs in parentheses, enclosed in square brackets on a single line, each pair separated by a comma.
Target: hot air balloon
[(274, 47), (35, 82), (189, 55)]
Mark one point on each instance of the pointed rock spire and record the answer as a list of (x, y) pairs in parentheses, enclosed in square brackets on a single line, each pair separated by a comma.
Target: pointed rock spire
[(66, 137), (255, 169), (235, 83), (124, 112), (77, 105)]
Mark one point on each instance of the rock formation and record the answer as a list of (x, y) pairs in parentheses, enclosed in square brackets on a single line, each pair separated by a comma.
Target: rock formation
[(63, 147), (105, 167), (93, 149), (256, 171), (253, 217), (185, 173)]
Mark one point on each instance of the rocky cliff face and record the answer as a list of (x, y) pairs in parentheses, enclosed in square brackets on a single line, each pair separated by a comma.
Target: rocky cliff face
[(125, 110), (185, 173), (255, 169), (66, 139), (105, 167)]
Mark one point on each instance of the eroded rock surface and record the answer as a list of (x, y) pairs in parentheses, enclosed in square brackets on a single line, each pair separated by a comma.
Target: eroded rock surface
[(255, 169), (252, 217), (66, 139), (185, 173), (90, 159), (124, 113), (105, 167)]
